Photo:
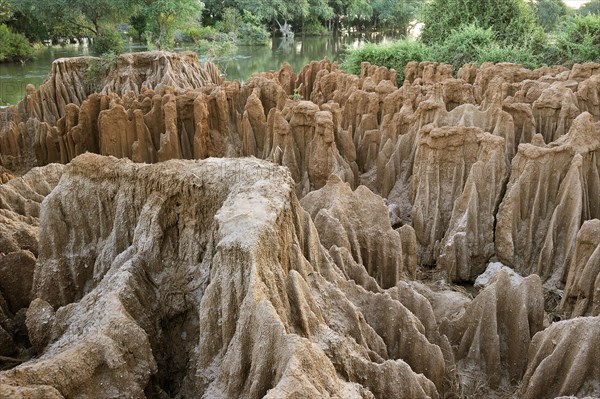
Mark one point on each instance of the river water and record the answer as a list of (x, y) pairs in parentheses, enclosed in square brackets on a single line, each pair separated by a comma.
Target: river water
[(247, 60)]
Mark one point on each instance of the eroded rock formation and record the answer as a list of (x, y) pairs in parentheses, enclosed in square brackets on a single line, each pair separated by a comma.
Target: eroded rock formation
[(60, 120), (319, 258), (257, 305), (582, 290), (20, 201), (552, 190)]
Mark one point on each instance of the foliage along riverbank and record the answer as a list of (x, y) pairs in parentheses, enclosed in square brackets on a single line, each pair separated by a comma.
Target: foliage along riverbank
[(456, 36)]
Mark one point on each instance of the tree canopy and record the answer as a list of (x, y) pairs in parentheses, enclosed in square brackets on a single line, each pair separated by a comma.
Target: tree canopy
[(591, 7), (511, 20), (550, 13), (5, 10), (163, 17), (83, 16)]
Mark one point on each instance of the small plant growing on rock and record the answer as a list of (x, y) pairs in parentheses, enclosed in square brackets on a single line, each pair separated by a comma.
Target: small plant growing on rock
[(97, 70), (296, 95)]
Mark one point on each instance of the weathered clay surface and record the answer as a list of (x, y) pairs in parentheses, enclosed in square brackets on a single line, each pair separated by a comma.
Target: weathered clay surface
[(429, 181), (20, 201), (582, 290), (562, 360), (552, 190), (495, 331), (358, 221), (228, 265), (60, 120)]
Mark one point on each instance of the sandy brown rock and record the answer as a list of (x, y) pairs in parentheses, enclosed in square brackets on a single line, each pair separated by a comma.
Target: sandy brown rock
[(358, 221), (552, 190), (427, 72), (562, 360), (454, 204), (495, 331), (582, 290), (304, 141), (555, 110), (59, 121), (20, 201), (5, 175), (262, 298), (231, 267)]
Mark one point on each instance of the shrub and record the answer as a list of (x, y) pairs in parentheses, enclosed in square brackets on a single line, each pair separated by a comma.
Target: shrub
[(578, 40), (471, 43), (501, 53), (210, 42), (395, 55), (13, 46), (591, 7), (230, 22), (219, 49), (252, 32), (195, 34), (463, 45), (549, 13), (97, 70), (511, 20), (314, 28), (110, 41), (253, 35)]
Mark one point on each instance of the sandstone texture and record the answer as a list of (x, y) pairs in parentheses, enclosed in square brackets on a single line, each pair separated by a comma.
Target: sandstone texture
[(166, 233)]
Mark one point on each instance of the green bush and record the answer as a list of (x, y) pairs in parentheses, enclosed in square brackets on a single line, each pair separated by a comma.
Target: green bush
[(211, 42), (471, 43), (549, 13), (13, 46), (511, 20), (97, 70), (314, 28), (591, 7), (195, 34), (501, 53), (110, 41), (578, 40), (253, 35), (230, 22), (463, 45), (252, 32), (395, 55), (218, 49)]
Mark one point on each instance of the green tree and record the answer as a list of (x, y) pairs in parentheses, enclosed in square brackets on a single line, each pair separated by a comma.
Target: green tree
[(230, 22), (395, 14), (354, 12), (276, 10), (591, 7), (511, 20), (5, 10), (578, 40), (550, 13), (164, 17), (13, 46), (214, 9), (75, 17)]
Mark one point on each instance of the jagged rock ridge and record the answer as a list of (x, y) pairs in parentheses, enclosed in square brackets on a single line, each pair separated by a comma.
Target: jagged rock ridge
[(441, 175)]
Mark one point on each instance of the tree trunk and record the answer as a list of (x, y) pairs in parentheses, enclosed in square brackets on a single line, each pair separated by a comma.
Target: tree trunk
[(285, 29)]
